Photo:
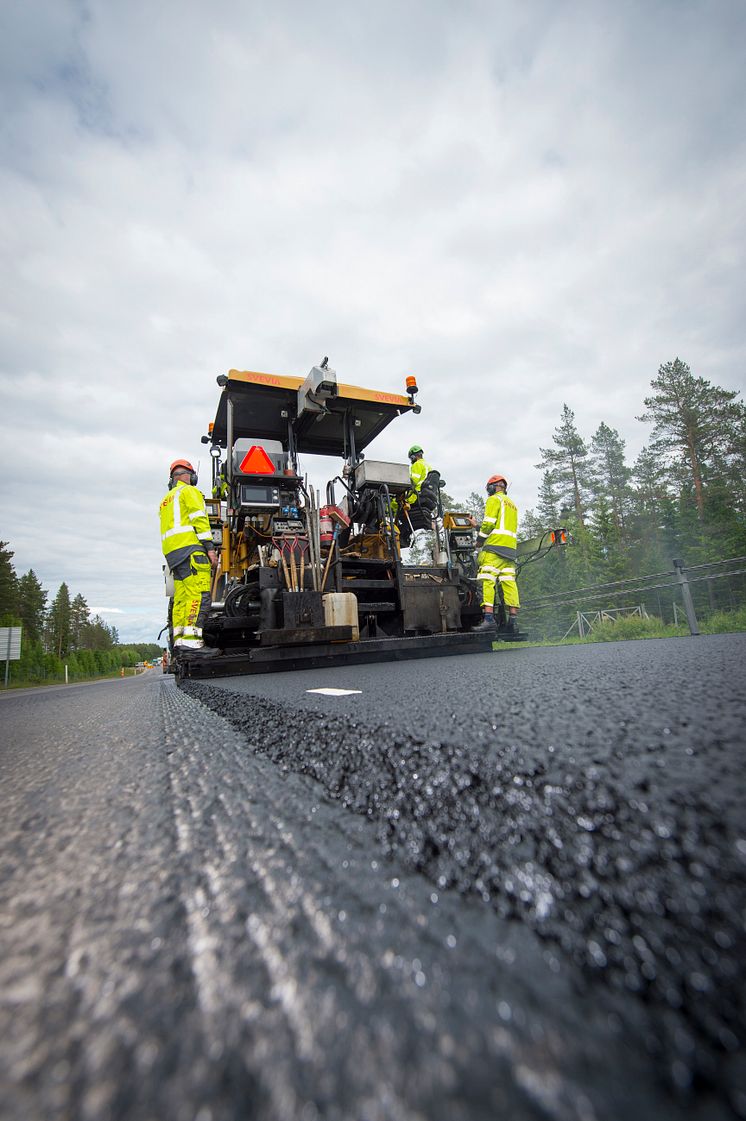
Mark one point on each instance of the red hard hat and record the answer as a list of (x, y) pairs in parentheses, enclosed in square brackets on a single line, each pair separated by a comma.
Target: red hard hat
[(497, 479), (180, 463)]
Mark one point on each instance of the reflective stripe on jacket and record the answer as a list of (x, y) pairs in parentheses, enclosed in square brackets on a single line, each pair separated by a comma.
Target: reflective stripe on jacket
[(500, 526), (185, 527)]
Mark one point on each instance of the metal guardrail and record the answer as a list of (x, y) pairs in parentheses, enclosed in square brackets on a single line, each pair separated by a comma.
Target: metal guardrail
[(679, 580)]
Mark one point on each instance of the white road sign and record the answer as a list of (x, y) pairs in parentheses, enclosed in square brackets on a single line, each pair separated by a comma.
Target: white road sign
[(10, 644)]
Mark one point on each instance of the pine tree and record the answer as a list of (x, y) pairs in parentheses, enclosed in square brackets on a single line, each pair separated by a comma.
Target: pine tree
[(32, 605), (8, 584), (474, 505), (695, 425), (567, 464), (59, 623)]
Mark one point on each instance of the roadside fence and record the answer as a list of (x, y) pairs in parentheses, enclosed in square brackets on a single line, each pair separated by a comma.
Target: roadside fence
[(682, 595)]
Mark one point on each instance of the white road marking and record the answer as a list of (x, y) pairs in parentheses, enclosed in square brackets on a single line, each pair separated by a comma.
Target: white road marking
[(335, 692)]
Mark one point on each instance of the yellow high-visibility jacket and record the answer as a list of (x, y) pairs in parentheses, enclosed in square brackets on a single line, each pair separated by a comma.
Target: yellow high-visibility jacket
[(418, 472), (500, 527), (185, 527)]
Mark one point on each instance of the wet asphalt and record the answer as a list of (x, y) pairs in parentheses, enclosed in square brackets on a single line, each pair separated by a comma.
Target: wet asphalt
[(501, 885)]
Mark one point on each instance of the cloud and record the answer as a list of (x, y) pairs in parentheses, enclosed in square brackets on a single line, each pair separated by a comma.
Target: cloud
[(523, 205)]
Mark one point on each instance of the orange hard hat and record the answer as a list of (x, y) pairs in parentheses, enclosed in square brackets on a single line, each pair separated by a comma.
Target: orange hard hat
[(180, 463), (493, 479)]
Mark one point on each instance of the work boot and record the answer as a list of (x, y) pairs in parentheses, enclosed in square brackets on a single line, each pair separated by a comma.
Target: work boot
[(487, 626), (510, 626)]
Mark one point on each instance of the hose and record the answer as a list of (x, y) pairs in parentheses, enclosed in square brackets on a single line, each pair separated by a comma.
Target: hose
[(240, 600)]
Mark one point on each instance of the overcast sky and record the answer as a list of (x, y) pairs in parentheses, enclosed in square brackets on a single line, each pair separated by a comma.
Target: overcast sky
[(522, 203)]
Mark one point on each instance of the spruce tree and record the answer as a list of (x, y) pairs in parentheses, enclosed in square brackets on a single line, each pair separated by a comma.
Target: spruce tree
[(612, 556), (567, 464), (653, 526), (8, 585), (729, 466), (59, 623), (548, 506), (97, 635), (652, 486), (79, 613), (609, 474)]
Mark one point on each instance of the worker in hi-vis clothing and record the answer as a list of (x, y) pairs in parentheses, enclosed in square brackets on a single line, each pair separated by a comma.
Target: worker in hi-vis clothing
[(187, 544), (497, 542), (418, 472)]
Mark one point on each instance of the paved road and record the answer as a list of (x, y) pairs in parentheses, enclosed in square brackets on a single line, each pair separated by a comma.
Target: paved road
[(507, 885)]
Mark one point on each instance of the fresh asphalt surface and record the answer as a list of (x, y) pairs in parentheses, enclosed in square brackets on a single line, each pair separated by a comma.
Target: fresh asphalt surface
[(508, 885)]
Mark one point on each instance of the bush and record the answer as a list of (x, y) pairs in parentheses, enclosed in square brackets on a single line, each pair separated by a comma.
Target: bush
[(724, 622), (86, 663), (633, 626), (53, 667)]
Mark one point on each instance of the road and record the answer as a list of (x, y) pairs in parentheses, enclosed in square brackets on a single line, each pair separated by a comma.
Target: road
[(508, 885)]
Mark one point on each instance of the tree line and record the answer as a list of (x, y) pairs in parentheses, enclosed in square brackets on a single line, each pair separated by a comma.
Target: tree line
[(61, 633), (682, 497)]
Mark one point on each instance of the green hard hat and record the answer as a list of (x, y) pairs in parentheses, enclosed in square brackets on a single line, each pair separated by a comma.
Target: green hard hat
[(415, 450)]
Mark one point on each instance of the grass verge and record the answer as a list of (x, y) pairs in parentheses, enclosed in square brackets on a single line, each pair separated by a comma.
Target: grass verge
[(633, 627)]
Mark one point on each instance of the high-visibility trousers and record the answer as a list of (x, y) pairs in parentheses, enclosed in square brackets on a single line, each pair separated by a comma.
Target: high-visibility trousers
[(192, 580), (494, 570)]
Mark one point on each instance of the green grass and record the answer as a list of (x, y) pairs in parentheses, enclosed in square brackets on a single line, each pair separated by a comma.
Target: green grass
[(724, 622), (41, 683), (634, 627)]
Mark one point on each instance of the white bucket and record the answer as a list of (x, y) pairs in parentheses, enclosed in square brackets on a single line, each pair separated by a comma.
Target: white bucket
[(340, 610)]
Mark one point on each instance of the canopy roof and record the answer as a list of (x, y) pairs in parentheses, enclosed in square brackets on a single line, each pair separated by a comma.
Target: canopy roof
[(263, 404)]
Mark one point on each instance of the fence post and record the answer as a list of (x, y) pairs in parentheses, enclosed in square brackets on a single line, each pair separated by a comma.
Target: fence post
[(686, 595), (581, 632)]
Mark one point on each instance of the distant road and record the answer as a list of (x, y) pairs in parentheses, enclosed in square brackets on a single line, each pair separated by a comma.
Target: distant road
[(508, 885), (61, 687)]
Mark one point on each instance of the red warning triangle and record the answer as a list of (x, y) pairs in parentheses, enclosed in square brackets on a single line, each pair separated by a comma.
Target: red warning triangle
[(257, 462)]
